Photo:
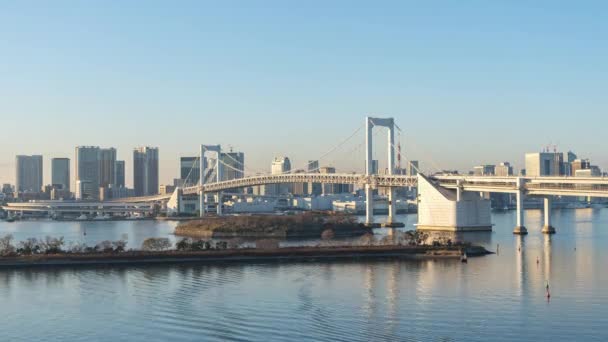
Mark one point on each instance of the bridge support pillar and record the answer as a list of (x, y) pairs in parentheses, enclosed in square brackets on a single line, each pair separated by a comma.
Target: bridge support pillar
[(520, 228), (391, 206), (201, 203), (369, 205), (548, 228), (219, 204)]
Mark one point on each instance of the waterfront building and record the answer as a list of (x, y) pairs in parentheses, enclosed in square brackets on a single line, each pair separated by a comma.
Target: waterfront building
[(544, 164), (314, 189), (413, 167), (300, 189), (28, 174), (87, 172), (7, 189), (329, 189), (107, 167), (484, 170), (503, 169), (166, 189), (60, 173), (579, 164), (280, 165), (119, 178), (145, 171), (84, 189), (591, 171), (189, 170)]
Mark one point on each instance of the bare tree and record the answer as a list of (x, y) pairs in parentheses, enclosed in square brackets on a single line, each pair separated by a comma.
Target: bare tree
[(156, 244), (6, 245)]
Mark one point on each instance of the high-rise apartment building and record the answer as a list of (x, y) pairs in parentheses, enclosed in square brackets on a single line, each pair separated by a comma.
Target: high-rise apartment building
[(189, 170), (28, 174), (119, 178), (60, 173), (145, 171), (107, 167), (87, 172)]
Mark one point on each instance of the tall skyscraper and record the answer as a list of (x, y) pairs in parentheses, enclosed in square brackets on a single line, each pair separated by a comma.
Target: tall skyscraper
[(107, 167), (60, 173), (119, 178), (28, 174), (233, 164), (189, 170), (87, 172), (145, 171)]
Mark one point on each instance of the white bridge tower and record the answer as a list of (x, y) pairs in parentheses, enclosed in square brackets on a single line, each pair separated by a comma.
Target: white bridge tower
[(369, 195), (216, 150)]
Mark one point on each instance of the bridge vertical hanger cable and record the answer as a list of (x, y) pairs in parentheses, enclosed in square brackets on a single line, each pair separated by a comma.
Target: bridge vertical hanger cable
[(407, 160), (356, 148), (329, 151), (428, 157), (243, 165)]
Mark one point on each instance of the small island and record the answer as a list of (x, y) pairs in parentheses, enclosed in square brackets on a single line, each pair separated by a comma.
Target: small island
[(309, 225)]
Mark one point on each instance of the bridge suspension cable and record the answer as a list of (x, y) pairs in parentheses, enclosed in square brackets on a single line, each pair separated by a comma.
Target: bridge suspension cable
[(331, 150), (190, 172)]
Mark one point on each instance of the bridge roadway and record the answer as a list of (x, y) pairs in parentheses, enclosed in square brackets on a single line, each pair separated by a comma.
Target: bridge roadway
[(530, 186), (78, 206)]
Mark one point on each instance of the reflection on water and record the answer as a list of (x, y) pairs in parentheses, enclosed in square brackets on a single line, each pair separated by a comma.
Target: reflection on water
[(498, 297)]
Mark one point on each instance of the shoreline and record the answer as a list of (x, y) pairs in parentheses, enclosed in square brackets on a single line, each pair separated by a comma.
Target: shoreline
[(289, 254)]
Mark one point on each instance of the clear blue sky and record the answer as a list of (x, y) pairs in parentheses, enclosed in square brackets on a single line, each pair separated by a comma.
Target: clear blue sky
[(469, 82)]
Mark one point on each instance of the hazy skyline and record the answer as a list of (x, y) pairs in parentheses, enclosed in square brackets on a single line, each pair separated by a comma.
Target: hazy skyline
[(468, 82)]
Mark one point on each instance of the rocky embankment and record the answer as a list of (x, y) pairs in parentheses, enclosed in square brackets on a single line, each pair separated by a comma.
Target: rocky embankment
[(290, 254), (308, 225)]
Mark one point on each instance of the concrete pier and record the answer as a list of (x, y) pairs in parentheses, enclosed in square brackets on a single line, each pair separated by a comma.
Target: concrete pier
[(548, 228), (520, 228)]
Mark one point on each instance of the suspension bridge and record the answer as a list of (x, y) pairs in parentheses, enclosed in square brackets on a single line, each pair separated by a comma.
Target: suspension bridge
[(446, 202)]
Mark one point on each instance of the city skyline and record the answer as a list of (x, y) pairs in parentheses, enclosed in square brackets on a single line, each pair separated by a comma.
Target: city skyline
[(272, 81)]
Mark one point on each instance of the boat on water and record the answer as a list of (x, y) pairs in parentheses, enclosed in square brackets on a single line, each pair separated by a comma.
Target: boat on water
[(82, 217), (463, 258), (102, 218), (575, 205)]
